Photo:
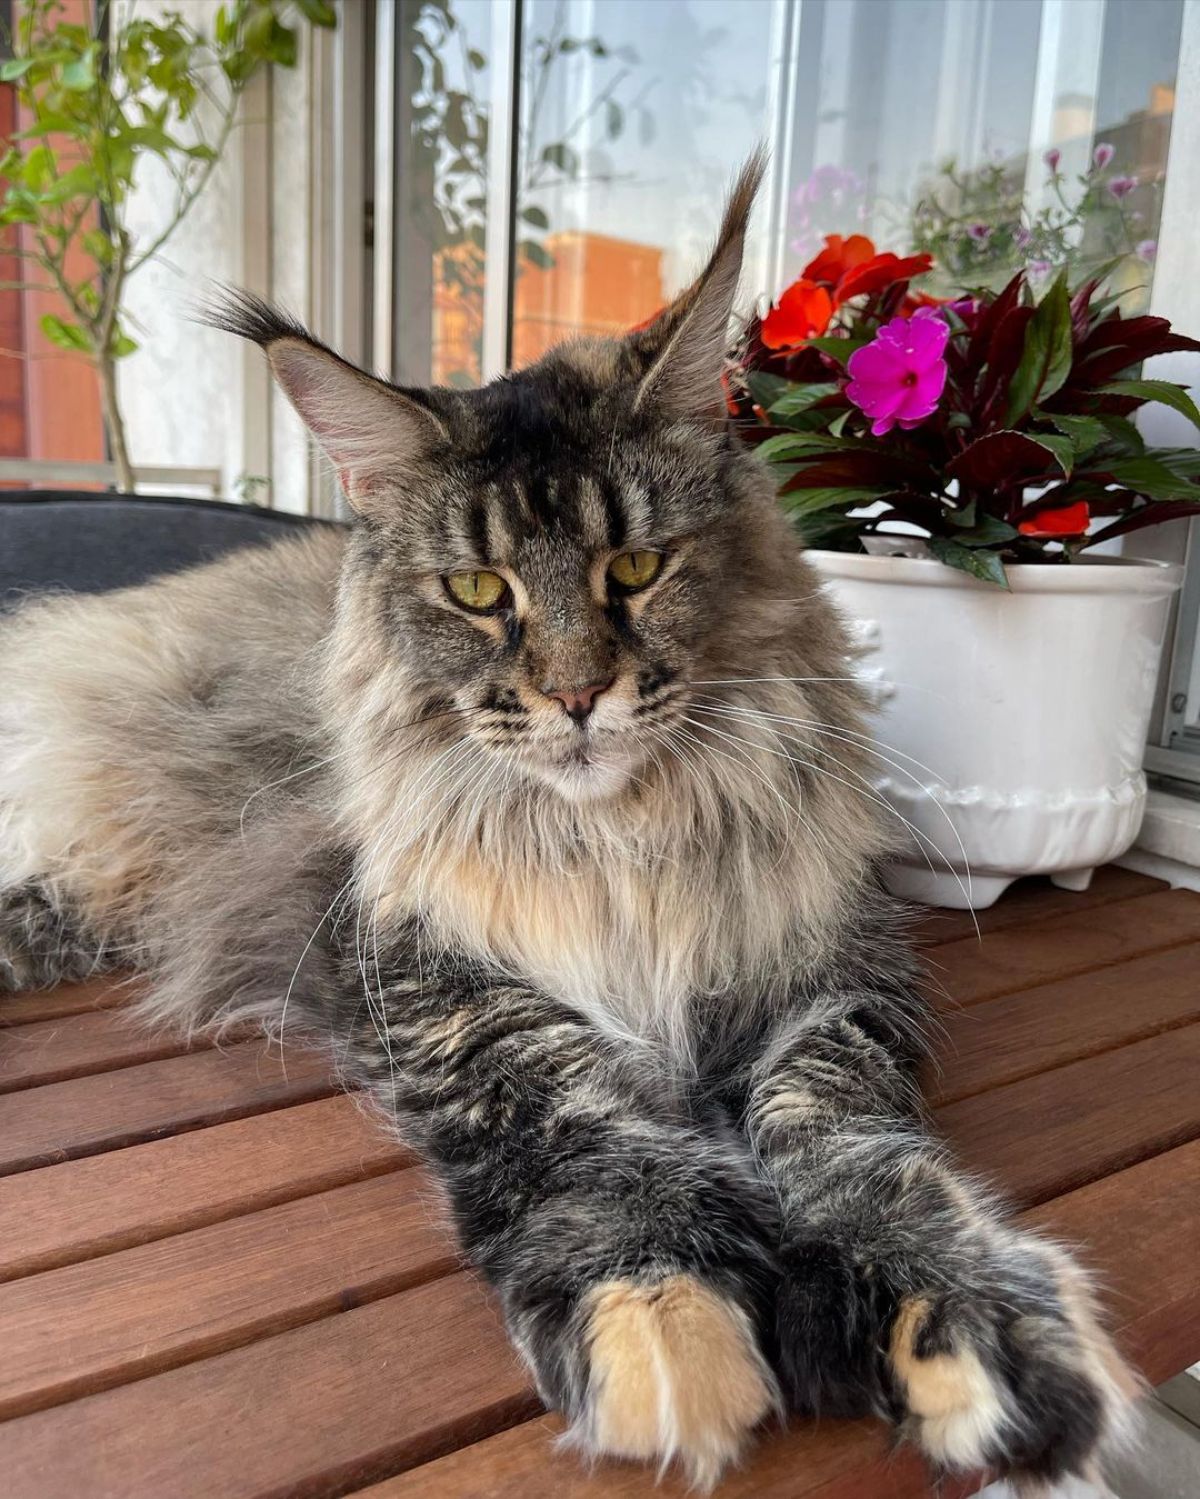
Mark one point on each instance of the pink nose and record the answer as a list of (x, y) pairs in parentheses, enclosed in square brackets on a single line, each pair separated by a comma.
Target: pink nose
[(578, 702)]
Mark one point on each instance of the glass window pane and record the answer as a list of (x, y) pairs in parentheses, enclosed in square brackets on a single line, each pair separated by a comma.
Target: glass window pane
[(444, 52), (633, 118)]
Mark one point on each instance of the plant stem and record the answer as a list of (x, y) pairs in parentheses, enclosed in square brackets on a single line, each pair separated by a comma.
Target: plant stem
[(114, 422), (106, 367)]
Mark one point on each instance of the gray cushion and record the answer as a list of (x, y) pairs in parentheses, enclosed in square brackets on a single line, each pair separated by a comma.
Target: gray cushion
[(92, 542)]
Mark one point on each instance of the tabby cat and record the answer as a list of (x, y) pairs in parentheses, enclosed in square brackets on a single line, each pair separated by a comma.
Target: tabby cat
[(541, 796)]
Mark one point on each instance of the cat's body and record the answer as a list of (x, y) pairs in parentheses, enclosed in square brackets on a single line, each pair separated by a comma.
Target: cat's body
[(542, 797)]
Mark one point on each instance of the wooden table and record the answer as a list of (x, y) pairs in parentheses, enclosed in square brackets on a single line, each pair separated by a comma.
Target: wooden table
[(217, 1279)]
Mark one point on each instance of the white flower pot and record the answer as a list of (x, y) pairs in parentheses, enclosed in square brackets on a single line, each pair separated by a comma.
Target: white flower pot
[(1014, 724)]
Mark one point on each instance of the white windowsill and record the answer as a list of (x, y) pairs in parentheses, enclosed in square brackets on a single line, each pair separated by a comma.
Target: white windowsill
[(1168, 846)]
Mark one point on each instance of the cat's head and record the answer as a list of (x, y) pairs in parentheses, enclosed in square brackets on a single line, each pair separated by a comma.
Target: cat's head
[(564, 555)]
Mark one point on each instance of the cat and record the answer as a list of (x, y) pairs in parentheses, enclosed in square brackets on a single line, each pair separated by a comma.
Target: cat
[(541, 796)]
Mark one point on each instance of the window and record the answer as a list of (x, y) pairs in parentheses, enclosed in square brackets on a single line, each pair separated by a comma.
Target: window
[(557, 162)]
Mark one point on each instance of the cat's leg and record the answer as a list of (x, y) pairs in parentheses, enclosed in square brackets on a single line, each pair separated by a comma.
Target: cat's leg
[(42, 943), (906, 1288), (631, 1252)]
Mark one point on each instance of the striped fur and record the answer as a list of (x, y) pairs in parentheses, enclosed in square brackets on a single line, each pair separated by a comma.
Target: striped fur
[(631, 985)]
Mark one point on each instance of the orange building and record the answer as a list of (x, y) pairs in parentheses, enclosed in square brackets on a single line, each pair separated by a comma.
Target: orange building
[(595, 284)]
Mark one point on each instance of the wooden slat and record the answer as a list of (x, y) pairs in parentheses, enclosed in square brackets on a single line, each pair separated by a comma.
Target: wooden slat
[(65, 1120), (317, 1410), (1073, 943), (107, 1202), (104, 1322), (1139, 1229), (50, 1051), (68, 999), (1020, 1035), (1050, 1134), (1035, 899), (1137, 1253)]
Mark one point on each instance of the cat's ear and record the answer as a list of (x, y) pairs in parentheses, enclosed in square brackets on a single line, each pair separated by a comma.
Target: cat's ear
[(683, 350), (372, 432)]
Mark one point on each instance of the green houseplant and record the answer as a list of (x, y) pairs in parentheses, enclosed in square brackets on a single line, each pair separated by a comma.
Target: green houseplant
[(99, 99)]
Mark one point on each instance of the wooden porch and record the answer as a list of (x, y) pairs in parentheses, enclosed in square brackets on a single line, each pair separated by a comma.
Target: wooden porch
[(218, 1281)]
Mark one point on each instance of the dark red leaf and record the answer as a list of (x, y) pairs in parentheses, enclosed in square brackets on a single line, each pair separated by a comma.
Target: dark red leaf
[(1002, 459), (990, 318), (1152, 514), (863, 467), (1005, 348)]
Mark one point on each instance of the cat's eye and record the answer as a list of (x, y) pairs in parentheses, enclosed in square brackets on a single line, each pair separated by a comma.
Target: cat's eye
[(634, 570), (482, 592)]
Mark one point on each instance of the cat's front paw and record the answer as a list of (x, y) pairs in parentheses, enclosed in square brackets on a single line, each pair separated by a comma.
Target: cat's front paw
[(674, 1373), (1018, 1377)]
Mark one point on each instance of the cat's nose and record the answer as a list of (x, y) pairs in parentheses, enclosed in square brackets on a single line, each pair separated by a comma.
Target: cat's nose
[(578, 702)]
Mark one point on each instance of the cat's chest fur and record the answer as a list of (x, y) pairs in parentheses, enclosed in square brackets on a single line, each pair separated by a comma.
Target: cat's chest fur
[(634, 943)]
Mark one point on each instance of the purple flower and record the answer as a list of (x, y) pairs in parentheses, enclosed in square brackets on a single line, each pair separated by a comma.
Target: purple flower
[(1052, 158), (1121, 187), (980, 233), (1103, 154), (899, 376), (1039, 268), (1022, 237), (1146, 249)]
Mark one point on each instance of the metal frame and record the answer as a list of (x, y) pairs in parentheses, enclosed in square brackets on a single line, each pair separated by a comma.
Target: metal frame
[(503, 129)]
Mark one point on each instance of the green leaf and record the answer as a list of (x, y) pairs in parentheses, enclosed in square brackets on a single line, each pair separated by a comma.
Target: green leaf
[(536, 216), (1046, 355), (1165, 392), (65, 335), (614, 119), (988, 531), (535, 254), (986, 566), (807, 501), (123, 345), (1153, 479), (1062, 447), (1122, 432), (837, 348), (98, 245), (766, 389), (476, 59), (14, 67), (321, 13), (1085, 432), (561, 156), (80, 75), (788, 446), (798, 398)]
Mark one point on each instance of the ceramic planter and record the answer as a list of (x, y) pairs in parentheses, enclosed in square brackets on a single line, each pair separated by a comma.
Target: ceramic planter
[(1027, 712)]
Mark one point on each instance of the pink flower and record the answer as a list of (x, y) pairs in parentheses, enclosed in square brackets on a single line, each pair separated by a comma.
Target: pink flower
[(1146, 249), (980, 233), (1103, 154), (899, 376), (1052, 158), (1022, 238), (1121, 187)]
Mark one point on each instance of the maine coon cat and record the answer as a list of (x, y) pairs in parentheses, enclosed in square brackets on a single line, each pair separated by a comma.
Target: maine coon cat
[(541, 797)]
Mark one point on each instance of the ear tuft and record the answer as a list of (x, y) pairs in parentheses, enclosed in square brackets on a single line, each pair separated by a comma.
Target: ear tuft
[(231, 309), (374, 433), (686, 346)]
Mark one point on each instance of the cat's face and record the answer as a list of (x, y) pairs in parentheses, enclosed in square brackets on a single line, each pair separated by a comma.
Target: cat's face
[(558, 559), (568, 576)]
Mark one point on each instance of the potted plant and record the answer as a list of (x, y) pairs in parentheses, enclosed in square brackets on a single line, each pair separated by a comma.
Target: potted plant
[(95, 101), (953, 464)]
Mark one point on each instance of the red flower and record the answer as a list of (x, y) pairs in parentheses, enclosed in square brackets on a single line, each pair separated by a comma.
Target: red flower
[(839, 256), (1058, 520), (803, 312), (875, 274)]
